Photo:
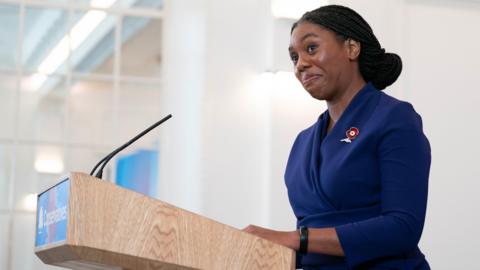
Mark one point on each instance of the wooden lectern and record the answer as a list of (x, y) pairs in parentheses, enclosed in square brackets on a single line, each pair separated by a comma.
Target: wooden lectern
[(85, 223)]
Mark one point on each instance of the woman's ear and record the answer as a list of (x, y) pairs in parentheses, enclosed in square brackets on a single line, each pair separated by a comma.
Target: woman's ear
[(354, 48)]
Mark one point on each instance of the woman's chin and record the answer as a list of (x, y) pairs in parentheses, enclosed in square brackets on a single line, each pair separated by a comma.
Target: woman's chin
[(316, 91), (317, 94)]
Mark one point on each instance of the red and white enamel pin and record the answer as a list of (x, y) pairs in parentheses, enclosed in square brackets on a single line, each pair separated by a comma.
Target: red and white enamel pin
[(352, 133)]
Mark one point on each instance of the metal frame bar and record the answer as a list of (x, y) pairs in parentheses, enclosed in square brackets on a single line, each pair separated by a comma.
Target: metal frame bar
[(95, 77), (138, 12)]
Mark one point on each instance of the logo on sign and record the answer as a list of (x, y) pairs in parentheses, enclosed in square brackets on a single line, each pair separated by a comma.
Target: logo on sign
[(52, 215)]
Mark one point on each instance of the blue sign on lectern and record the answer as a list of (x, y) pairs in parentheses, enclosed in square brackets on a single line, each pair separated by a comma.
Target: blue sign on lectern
[(52, 214)]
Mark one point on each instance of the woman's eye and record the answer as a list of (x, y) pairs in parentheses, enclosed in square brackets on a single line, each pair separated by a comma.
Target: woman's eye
[(294, 57), (311, 48)]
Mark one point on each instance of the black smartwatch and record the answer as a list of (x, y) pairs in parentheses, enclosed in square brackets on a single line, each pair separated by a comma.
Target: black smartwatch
[(303, 240)]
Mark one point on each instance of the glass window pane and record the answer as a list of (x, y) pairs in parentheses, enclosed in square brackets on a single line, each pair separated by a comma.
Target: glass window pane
[(81, 2), (141, 47), (37, 168), (5, 181), (8, 87), (45, 41), (8, 36), (83, 159), (42, 110), (136, 122), (143, 96), (23, 240), (90, 116), (139, 108), (93, 34), (25, 175), (151, 4)]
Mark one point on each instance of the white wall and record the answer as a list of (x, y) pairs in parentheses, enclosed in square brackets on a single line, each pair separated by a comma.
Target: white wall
[(183, 63), (441, 79), (236, 127)]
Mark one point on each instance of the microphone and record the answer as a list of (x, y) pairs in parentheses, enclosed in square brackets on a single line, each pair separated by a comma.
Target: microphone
[(106, 159)]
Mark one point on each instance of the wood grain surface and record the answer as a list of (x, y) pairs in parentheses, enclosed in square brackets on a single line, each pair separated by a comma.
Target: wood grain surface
[(110, 227)]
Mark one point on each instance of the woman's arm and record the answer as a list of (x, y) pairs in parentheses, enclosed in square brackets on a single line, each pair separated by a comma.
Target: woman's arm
[(404, 162), (324, 240)]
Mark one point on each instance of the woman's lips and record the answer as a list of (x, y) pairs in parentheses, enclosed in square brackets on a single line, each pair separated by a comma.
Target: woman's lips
[(306, 79)]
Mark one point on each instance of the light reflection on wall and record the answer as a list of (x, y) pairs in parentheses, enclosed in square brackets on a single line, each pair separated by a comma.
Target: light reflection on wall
[(292, 9), (49, 160), (29, 202)]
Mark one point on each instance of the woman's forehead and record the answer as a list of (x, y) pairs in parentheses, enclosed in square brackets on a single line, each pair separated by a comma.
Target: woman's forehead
[(307, 30)]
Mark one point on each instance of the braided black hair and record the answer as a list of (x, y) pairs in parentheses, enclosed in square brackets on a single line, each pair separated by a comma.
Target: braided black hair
[(376, 66)]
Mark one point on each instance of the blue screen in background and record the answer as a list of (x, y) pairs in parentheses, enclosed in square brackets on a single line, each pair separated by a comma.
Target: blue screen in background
[(138, 171)]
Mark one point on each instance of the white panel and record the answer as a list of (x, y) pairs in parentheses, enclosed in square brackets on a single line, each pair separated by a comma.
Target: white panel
[(23, 257), (294, 9), (91, 113), (84, 159), (41, 117), (236, 113), (138, 105), (27, 180), (141, 51), (4, 224), (183, 46), (23, 242), (25, 176), (441, 71), (5, 175), (281, 41)]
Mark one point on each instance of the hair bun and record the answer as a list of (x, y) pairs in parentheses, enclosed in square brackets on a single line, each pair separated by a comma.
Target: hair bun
[(387, 71)]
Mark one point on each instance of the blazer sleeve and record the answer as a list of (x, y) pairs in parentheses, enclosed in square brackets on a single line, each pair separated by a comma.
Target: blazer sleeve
[(404, 162)]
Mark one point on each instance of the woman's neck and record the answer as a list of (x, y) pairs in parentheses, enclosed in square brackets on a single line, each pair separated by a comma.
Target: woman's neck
[(338, 105)]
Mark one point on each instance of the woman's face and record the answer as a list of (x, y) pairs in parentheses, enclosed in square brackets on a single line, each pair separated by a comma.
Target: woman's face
[(321, 61)]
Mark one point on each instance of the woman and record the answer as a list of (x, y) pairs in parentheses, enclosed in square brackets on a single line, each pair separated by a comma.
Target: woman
[(357, 179)]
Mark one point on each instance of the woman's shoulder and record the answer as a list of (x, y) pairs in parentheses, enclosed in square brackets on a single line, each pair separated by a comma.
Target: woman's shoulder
[(398, 113), (394, 105)]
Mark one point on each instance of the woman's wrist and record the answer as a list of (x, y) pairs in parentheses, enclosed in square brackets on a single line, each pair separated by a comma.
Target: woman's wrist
[(293, 240)]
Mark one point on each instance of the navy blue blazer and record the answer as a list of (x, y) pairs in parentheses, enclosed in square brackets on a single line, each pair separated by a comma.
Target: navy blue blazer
[(367, 178)]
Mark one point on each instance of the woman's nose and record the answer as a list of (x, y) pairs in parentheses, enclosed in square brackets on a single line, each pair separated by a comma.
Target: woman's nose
[(302, 63)]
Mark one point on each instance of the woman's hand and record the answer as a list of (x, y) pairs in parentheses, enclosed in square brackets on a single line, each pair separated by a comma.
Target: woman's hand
[(320, 240), (289, 239)]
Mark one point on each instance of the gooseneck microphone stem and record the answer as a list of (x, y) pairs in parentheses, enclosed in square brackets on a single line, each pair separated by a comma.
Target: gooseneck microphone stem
[(98, 164), (106, 159)]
